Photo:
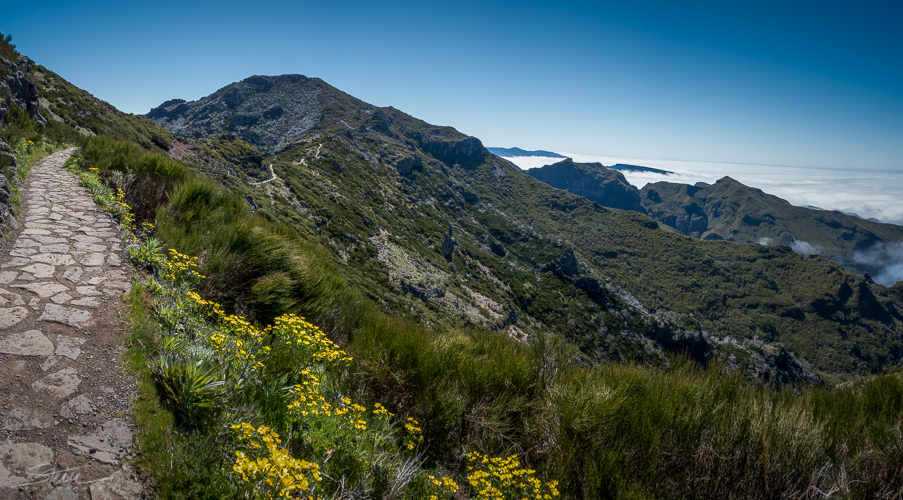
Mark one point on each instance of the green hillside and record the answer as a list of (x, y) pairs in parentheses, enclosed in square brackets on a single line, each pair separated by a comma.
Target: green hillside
[(383, 189), (731, 211)]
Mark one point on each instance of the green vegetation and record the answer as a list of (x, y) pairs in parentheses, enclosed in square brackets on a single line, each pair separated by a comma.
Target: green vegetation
[(732, 211), (606, 430)]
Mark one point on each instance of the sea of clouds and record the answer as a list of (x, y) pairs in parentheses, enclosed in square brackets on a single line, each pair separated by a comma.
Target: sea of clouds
[(868, 193)]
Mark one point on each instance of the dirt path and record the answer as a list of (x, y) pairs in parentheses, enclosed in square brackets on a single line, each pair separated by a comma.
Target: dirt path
[(271, 179), (65, 431)]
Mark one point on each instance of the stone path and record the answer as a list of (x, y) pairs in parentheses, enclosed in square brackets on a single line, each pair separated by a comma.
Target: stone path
[(65, 431)]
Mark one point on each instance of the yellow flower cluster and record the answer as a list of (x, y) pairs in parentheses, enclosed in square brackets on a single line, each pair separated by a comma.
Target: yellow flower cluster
[(308, 400), (292, 329), (505, 478), (212, 308), (122, 211), (380, 411), (237, 325), (442, 486), (414, 436), (181, 268), (274, 473)]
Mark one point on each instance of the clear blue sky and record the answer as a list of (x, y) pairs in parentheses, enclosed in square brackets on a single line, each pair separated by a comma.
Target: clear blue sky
[(789, 82)]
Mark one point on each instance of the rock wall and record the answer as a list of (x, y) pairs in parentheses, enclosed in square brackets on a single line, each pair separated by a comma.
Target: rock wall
[(9, 165), (17, 88)]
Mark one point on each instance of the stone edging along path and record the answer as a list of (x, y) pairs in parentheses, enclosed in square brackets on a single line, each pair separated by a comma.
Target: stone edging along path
[(65, 429)]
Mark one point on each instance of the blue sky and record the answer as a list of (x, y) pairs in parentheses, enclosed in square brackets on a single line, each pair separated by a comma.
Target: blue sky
[(792, 83)]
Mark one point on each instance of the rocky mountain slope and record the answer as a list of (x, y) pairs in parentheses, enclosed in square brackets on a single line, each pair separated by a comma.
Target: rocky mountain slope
[(732, 211), (431, 225), (729, 210), (593, 181)]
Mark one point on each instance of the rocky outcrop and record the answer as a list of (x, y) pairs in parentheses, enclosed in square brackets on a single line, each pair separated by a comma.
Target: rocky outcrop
[(565, 265), (674, 205), (8, 171), (467, 152), (407, 165), (18, 89), (593, 181), (448, 245), (269, 112)]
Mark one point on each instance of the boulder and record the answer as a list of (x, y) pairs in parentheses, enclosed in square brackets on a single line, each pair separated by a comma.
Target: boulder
[(564, 265), (448, 245), (406, 166), (5, 192)]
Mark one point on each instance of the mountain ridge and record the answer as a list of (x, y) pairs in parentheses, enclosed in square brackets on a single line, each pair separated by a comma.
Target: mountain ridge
[(522, 152), (427, 221)]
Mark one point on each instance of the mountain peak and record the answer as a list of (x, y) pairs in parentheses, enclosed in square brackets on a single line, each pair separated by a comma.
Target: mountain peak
[(266, 111)]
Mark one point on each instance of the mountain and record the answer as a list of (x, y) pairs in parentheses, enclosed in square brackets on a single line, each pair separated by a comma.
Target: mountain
[(622, 167), (522, 152), (267, 111), (432, 226), (593, 181), (732, 211)]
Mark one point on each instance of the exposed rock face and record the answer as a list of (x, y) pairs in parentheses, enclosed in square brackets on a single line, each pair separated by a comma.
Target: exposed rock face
[(467, 152), (592, 181), (266, 111), (407, 165), (8, 166), (565, 265), (21, 91), (448, 245)]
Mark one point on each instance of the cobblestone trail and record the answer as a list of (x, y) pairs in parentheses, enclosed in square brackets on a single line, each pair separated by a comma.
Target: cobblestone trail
[(65, 431)]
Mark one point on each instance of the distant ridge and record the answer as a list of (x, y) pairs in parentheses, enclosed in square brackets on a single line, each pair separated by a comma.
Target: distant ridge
[(622, 167), (523, 152)]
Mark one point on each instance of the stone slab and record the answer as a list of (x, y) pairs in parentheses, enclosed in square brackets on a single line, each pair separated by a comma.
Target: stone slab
[(30, 343), (40, 270), (11, 316), (60, 384), (121, 485), (43, 290), (71, 347), (19, 461), (66, 315), (107, 443)]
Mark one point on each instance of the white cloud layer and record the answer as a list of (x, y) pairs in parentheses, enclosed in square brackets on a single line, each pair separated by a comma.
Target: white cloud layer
[(884, 260), (869, 193)]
